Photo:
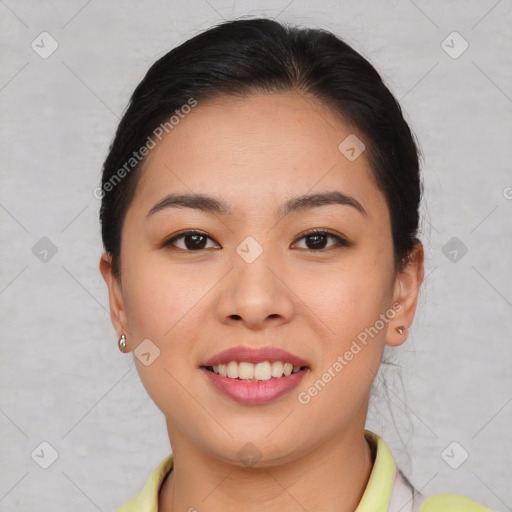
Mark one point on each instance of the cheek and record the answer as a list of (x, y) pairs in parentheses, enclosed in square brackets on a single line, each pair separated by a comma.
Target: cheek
[(160, 307), (346, 303), (352, 339), (350, 294), (159, 297)]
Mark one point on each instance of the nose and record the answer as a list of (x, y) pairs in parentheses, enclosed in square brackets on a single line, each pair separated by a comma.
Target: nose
[(256, 293)]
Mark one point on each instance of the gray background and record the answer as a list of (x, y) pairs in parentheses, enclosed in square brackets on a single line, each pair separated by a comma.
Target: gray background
[(63, 380)]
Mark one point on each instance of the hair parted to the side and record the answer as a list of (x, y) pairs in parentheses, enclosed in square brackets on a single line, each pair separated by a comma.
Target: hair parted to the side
[(257, 55)]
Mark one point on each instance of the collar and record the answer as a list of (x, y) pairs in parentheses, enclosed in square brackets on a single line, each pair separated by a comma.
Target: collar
[(387, 489), (384, 486)]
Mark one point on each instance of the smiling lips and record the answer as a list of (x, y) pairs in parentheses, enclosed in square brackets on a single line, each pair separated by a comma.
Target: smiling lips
[(255, 375)]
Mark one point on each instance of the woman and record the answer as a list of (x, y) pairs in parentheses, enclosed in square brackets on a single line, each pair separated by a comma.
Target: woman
[(260, 218)]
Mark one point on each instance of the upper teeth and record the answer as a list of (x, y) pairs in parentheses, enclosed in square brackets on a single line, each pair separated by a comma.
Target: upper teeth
[(259, 371)]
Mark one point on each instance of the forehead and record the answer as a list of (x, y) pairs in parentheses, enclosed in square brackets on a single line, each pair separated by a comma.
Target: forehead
[(256, 150)]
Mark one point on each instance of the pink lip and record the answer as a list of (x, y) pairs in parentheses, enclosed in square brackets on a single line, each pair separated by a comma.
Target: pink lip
[(252, 391), (254, 355)]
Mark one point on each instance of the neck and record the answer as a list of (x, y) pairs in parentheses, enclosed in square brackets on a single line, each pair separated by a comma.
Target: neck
[(331, 477)]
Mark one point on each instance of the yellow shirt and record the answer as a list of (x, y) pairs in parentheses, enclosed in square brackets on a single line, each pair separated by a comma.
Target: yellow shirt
[(386, 490)]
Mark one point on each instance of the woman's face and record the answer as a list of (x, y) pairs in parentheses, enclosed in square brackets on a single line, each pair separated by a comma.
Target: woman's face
[(254, 279)]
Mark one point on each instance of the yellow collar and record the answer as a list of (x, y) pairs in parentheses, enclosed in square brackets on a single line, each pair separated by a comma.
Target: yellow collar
[(377, 494)]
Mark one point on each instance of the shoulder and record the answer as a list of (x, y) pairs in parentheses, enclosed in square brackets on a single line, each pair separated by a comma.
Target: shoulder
[(451, 503), (388, 489)]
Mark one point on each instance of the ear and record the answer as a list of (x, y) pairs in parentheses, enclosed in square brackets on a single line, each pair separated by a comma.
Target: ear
[(405, 292), (115, 295)]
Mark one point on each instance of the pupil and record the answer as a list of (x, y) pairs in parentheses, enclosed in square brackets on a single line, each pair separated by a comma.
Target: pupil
[(316, 237), (194, 245)]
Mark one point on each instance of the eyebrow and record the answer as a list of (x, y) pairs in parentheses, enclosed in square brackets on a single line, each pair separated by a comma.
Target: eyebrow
[(210, 204)]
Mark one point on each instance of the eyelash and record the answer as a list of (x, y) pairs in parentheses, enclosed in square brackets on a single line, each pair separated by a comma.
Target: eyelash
[(340, 241)]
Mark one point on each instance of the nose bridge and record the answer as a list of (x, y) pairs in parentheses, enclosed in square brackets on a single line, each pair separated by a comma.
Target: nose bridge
[(255, 288), (251, 265)]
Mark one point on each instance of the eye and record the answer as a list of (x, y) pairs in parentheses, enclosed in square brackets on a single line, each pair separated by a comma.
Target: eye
[(193, 240), (318, 237)]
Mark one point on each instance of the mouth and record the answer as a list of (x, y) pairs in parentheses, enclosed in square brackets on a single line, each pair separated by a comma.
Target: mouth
[(254, 375), (254, 384)]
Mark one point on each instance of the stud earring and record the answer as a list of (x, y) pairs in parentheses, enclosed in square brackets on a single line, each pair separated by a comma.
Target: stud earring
[(123, 347), (400, 329)]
